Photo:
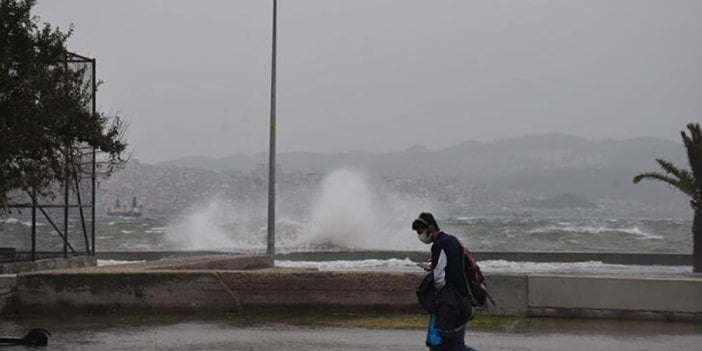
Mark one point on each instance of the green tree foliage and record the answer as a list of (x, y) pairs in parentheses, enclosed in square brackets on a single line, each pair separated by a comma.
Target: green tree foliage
[(45, 110), (687, 181)]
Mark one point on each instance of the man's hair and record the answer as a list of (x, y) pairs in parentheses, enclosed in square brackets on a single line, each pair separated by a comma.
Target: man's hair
[(425, 220)]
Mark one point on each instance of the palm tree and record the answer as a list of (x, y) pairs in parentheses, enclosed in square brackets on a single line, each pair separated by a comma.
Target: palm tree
[(689, 182)]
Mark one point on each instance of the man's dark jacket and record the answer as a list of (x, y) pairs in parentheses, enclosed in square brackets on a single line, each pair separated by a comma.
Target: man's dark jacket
[(445, 291)]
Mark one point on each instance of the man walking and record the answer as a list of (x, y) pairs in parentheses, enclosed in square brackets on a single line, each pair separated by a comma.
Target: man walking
[(453, 307)]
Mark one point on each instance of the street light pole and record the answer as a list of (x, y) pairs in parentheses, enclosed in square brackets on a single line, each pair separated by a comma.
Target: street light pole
[(271, 156)]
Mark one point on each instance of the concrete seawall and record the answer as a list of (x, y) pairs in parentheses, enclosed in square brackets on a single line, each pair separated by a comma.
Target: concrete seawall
[(47, 264), (615, 297), (229, 283), (207, 291)]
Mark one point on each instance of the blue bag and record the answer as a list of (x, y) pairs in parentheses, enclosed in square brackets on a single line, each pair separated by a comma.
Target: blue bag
[(433, 336)]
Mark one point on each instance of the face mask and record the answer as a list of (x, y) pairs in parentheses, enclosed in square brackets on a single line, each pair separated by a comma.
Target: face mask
[(425, 237)]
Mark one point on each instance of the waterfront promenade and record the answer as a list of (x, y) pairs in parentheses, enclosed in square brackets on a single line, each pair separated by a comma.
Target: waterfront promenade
[(104, 334), (184, 293)]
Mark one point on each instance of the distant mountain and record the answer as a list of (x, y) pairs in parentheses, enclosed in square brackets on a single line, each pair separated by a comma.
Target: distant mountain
[(484, 160), (537, 167), (236, 163)]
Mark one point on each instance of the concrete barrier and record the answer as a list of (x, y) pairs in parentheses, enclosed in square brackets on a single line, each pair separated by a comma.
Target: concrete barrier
[(8, 281), (223, 283), (510, 294), (6, 301), (7, 286), (213, 291), (615, 297), (226, 283), (47, 264)]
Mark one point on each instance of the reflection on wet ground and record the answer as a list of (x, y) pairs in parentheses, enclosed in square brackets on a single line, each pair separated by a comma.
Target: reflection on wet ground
[(106, 334)]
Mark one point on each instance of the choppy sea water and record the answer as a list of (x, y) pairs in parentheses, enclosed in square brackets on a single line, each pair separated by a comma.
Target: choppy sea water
[(666, 235), (232, 234)]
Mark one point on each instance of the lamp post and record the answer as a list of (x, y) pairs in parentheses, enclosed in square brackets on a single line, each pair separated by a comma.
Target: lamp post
[(271, 155)]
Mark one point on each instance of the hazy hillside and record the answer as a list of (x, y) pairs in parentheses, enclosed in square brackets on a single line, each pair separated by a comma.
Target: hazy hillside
[(502, 175), (531, 152), (546, 163)]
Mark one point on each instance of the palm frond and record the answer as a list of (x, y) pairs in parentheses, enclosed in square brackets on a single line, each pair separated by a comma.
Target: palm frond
[(687, 179), (670, 168), (693, 144), (682, 184), (657, 176), (695, 132)]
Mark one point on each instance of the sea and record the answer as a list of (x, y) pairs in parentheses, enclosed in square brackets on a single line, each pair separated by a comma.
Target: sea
[(222, 232)]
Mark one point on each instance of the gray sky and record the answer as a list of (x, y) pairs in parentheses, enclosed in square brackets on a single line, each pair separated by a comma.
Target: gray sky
[(193, 77)]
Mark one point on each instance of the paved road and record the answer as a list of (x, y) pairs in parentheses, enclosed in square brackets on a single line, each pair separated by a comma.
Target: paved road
[(219, 336)]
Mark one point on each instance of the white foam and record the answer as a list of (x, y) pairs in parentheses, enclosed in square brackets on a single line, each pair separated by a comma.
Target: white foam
[(156, 230), (635, 230), (103, 263), (489, 266), (29, 224), (391, 265), (10, 220), (502, 266), (216, 225)]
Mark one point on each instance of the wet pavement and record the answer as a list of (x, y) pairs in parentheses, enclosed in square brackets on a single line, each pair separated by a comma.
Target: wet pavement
[(544, 335)]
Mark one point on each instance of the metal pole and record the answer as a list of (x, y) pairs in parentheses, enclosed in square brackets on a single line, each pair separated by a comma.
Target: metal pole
[(271, 156), (82, 215), (65, 202), (94, 171), (65, 184), (34, 224)]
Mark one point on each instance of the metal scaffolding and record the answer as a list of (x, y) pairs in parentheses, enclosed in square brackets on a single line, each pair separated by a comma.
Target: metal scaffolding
[(81, 163)]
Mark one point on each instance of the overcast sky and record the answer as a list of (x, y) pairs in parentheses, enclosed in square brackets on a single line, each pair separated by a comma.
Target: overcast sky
[(193, 77)]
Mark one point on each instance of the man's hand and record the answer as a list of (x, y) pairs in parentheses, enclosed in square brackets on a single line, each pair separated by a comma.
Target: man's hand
[(425, 266)]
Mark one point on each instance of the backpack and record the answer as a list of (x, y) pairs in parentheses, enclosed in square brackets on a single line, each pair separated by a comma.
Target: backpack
[(476, 280), (426, 294)]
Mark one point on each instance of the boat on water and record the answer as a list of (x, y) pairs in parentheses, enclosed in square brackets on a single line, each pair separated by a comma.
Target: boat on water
[(123, 210)]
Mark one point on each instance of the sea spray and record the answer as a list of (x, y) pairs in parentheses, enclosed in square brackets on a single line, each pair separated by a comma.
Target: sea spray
[(350, 210), (216, 225), (353, 211)]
